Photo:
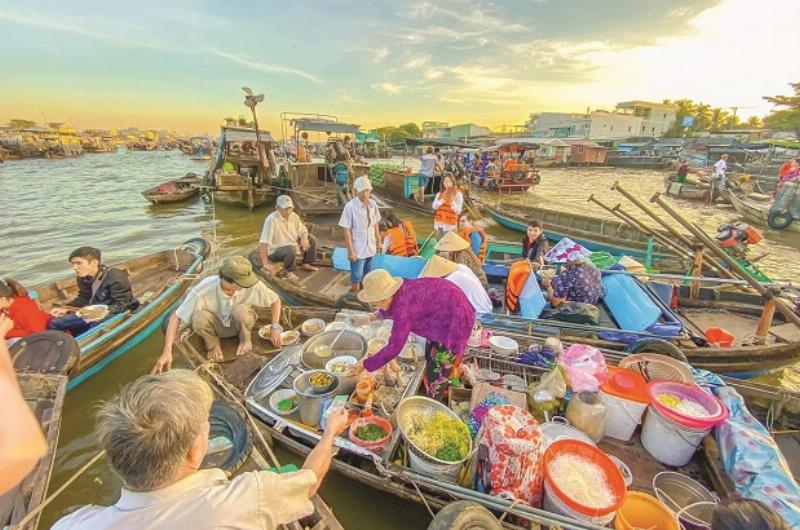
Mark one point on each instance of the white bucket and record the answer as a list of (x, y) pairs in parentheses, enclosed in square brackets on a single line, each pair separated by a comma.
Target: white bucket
[(622, 416), (445, 472), (552, 503), (668, 442)]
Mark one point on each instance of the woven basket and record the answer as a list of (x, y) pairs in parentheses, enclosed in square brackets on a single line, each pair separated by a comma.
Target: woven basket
[(657, 367)]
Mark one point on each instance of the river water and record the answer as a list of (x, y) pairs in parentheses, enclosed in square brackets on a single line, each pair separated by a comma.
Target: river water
[(53, 206)]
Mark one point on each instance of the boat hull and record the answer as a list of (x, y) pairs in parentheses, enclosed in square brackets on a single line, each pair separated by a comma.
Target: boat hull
[(757, 213)]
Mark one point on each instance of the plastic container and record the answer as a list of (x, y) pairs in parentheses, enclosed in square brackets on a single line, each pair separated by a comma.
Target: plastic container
[(720, 337), (640, 510), (376, 446), (587, 413), (671, 437), (625, 397), (557, 501)]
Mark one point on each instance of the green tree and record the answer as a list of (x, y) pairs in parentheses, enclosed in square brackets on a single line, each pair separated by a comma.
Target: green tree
[(702, 117), (719, 118), (412, 129), (787, 117), (683, 108), (754, 122), (20, 123)]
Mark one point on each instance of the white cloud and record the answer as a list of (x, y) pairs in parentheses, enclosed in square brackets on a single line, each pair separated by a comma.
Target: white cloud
[(380, 54), (388, 88), (345, 97), (417, 61), (264, 67)]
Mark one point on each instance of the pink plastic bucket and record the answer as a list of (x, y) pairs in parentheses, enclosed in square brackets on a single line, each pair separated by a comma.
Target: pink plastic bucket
[(716, 410)]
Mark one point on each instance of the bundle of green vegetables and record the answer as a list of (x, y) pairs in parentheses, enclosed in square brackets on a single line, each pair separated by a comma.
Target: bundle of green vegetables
[(439, 435)]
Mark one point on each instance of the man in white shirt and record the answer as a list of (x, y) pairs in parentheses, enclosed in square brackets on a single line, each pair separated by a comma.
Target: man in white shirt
[(718, 183), (155, 435), (463, 277), (428, 164), (360, 219), (282, 233), (220, 307)]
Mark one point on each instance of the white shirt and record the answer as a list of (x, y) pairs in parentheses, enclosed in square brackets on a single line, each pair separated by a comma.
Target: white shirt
[(354, 217), (720, 167), (279, 231), (205, 500), (471, 286), (457, 205), (427, 163), (208, 295)]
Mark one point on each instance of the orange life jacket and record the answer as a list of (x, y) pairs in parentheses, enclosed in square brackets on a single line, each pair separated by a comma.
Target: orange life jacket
[(467, 232), (404, 240), (517, 276), (445, 214)]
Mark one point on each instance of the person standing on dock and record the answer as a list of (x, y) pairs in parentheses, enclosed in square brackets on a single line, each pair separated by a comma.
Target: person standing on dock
[(360, 220), (447, 205), (156, 434), (283, 232), (432, 308), (718, 181), (221, 306)]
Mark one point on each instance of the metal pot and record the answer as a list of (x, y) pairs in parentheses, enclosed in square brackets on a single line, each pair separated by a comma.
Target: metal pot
[(350, 343), (308, 400)]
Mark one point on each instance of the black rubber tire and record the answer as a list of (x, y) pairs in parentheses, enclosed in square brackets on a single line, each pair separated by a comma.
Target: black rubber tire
[(657, 346), (226, 421), (536, 179), (46, 352), (198, 245), (464, 515), (779, 220)]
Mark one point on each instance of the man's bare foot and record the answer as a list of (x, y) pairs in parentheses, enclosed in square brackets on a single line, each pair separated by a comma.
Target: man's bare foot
[(270, 268), (215, 354), (291, 277), (309, 267), (244, 347)]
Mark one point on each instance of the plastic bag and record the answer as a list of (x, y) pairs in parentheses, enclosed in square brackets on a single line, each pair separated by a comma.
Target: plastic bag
[(587, 413), (585, 367), (544, 397)]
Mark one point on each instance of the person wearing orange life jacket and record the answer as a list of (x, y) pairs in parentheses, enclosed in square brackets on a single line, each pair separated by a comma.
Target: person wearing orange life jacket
[(475, 235), (400, 238), (448, 205)]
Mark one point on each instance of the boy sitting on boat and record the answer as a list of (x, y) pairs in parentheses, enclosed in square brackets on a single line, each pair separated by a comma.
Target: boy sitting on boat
[(156, 433), (221, 306), (97, 285)]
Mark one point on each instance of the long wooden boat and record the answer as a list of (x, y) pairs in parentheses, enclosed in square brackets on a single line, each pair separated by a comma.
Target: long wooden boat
[(757, 212), (635, 161), (45, 394), (174, 190), (399, 188), (595, 233), (159, 281), (389, 473)]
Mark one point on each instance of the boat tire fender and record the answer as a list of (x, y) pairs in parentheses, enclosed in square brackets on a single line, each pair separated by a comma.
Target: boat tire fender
[(227, 422), (464, 515), (536, 179), (198, 245), (657, 346), (779, 220)]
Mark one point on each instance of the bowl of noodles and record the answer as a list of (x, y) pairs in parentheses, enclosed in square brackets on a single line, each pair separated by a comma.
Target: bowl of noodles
[(93, 313)]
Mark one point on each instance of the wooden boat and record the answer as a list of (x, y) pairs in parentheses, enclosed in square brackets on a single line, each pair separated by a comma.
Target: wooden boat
[(635, 161), (757, 212), (159, 281), (45, 394), (596, 234), (692, 192), (399, 188), (174, 190), (387, 471)]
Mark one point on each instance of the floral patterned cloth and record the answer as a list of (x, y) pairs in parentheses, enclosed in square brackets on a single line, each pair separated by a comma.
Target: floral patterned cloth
[(441, 371), (579, 283), (510, 455)]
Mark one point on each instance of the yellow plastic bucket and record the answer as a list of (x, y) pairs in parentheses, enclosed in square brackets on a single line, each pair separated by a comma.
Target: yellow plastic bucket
[(640, 510)]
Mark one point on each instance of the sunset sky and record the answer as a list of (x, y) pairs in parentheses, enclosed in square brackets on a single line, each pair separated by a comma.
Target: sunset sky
[(180, 64)]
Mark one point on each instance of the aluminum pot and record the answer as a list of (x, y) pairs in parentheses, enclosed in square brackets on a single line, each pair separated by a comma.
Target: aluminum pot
[(308, 400)]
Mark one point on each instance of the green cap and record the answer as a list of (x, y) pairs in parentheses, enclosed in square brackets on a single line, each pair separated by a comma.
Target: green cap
[(239, 269)]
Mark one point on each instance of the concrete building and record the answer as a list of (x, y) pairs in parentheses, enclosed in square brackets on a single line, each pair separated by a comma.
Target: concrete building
[(657, 118), (437, 129), (631, 118)]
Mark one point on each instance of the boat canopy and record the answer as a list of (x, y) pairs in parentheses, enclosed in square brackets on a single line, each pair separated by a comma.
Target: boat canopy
[(789, 144), (322, 125), (242, 134), (441, 142)]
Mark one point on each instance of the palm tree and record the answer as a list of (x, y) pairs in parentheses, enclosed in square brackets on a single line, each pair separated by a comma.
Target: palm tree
[(718, 118), (702, 117), (754, 122)]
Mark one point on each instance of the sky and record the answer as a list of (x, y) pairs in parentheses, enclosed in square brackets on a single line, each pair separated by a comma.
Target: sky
[(181, 64)]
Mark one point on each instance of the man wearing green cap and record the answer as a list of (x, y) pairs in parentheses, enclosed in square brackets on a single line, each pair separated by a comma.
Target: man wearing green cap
[(221, 306)]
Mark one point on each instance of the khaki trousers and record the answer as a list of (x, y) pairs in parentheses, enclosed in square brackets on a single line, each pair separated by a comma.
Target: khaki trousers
[(209, 326)]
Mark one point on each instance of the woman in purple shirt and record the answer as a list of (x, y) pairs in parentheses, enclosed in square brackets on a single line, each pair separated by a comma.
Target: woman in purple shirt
[(433, 308)]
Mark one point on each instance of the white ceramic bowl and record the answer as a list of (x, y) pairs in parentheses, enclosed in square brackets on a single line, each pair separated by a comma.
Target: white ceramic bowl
[(335, 326), (280, 395), (349, 360), (503, 345), (317, 323)]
